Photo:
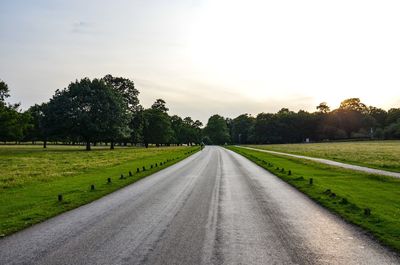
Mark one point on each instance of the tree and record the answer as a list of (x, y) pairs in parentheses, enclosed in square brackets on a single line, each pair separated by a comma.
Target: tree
[(87, 111), (36, 130), (160, 105), (157, 124), (196, 127), (178, 130), (323, 107), (13, 123), (393, 116), (378, 114), (191, 131), (242, 129), (126, 88), (217, 130), (393, 130), (136, 125), (353, 104), (4, 91)]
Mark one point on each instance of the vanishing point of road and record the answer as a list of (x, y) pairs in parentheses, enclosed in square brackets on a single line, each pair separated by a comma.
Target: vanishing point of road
[(215, 207)]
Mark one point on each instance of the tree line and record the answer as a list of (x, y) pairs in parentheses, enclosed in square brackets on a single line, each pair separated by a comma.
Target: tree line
[(352, 120), (107, 110), (102, 110)]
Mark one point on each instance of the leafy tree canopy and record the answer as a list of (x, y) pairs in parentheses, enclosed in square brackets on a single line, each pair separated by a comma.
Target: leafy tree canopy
[(353, 104), (217, 130), (4, 91), (88, 111)]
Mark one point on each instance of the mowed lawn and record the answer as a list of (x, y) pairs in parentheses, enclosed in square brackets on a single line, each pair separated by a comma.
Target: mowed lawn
[(345, 192), (375, 154), (31, 178)]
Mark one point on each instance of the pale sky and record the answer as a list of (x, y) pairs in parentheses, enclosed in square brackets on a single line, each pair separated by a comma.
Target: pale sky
[(205, 57)]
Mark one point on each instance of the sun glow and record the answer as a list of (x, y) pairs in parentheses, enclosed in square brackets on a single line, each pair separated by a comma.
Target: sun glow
[(275, 50)]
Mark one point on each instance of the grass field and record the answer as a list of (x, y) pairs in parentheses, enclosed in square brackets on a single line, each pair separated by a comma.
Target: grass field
[(31, 178), (375, 154), (345, 192)]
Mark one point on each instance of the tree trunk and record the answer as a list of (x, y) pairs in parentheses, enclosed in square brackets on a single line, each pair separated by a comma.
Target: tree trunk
[(112, 145), (88, 146), (45, 144)]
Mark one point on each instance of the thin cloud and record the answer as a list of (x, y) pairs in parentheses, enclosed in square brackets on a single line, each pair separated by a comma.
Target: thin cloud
[(82, 27)]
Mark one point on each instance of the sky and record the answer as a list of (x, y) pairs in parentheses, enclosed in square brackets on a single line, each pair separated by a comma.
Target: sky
[(207, 56)]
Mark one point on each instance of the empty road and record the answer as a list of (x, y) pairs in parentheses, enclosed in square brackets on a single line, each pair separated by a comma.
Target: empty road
[(215, 207)]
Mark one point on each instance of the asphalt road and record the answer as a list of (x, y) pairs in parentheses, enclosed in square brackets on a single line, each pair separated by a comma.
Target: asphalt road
[(215, 207), (332, 163)]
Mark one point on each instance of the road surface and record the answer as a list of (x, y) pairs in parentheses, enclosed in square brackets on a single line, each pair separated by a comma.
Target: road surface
[(332, 163), (215, 207)]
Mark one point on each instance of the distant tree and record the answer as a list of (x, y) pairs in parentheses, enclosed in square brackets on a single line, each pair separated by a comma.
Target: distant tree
[(323, 107), (264, 128), (197, 132), (305, 126), (87, 111), (177, 126), (157, 124), (242, 129), (206, 140), (378, 114), (13, 123), (126, 88), (185, 130), (217, 130), (160, 105), (393, 130), (393, 116), (136, 125), (4, 91), (353, 104), (191, 131), (36, 130)]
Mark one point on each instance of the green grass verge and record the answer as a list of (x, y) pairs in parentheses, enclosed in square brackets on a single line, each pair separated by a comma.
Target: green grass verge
[(345, 192), (38, 176), (375, 154)]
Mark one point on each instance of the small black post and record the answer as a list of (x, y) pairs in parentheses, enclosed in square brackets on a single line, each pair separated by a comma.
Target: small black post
[(151, 166), (92, 187), (156, 165), (60, 197), (144, 169), (130, 174), (137, 170), (122, 176), (311, 181), (109, 180), (290, 172)]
